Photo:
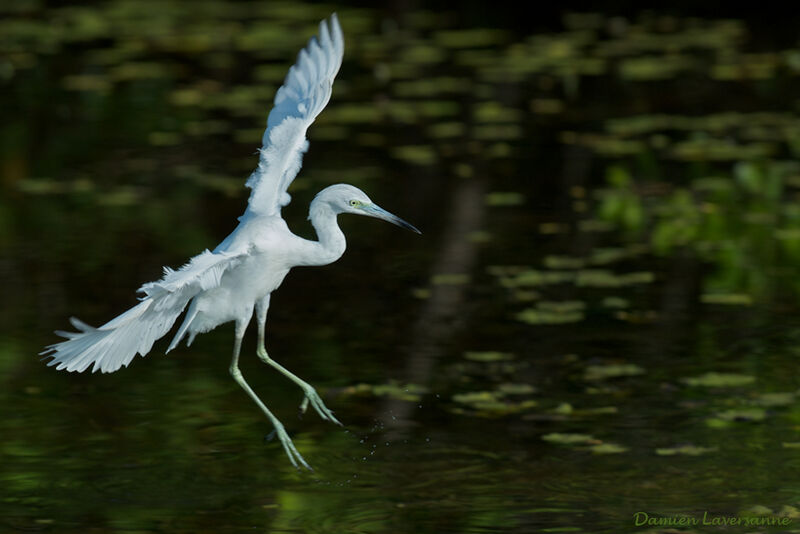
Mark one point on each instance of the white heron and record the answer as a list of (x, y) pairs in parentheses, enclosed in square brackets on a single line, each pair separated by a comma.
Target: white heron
[(238, 277)]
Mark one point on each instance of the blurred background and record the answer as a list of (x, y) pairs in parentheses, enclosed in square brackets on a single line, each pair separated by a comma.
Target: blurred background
[(600, 317)]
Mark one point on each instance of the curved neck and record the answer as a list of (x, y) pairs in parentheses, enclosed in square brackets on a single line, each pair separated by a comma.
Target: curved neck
[(331, 242)]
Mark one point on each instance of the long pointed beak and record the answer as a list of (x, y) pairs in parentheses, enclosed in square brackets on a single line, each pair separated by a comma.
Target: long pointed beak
[(373, 210)]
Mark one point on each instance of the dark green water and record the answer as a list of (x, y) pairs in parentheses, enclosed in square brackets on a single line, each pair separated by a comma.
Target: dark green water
[(600, 318)]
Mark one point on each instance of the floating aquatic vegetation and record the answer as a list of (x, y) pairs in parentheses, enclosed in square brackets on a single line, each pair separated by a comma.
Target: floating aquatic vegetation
[(480, 236), (551, 228), (164, 138), (422, 53), (775, 399), (433, 86), (493, 112), (504, 198), (604, 278), (563, 262), (407, 392), (471, 38), (417, 154), (450, 279), (568, 409), (688, 450), (569, 439), (615, 303), (602, 372), (548, 312), (636, 316), (719, 380), (488, 356), (421, 293), (595, 225), (532, 278), (140, 70), (608, 448), (660, 67), (605, 255), (443, 130), (87, 82), (47, 186), (729, 299), (547, 106), (491, 132), (491, 403), (743, 414), (510, 388)]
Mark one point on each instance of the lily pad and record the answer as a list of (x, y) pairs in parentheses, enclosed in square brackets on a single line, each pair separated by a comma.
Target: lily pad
[(515, 389), (720, 380), (689, 450), (450, 279), (475, 397), (532, 277), (488, 356), (604, 278), (727, 299), (543, 316), (563, 262), (608, 448), (775, 399), (505, 198), (490, 403), (568, 439), (407, 392), (744, 414), (602, 372), (616, 303)]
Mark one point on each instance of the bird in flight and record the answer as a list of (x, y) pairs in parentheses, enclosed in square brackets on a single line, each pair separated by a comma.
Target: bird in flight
[(239, 275)]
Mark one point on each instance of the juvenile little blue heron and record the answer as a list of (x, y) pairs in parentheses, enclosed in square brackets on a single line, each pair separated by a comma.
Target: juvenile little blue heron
[(239, 275)]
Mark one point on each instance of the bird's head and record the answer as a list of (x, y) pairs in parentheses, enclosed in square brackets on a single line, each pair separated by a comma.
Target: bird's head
[(344, 198)]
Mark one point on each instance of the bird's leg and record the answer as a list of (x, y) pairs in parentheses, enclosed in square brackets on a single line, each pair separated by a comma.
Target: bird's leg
[(311, 394), (311, 397), (288, 446)]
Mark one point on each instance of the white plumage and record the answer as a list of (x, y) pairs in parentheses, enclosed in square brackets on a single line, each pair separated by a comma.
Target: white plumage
[(238, 276)]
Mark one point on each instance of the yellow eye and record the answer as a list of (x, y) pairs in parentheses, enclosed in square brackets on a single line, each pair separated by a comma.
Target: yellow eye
[(355, 203)]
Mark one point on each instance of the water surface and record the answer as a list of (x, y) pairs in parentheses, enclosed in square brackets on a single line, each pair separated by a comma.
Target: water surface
[(600, 318)]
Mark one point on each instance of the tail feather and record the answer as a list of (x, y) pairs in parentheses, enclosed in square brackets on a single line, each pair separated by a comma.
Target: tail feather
[(187, 321), (114, 344)]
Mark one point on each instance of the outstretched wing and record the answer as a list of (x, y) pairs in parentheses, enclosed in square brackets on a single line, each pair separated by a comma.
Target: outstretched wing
[(116, 343), (304, 94)]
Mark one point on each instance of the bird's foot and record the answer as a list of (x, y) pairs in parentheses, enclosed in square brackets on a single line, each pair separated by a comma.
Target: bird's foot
[(313, 398), (291, 451)]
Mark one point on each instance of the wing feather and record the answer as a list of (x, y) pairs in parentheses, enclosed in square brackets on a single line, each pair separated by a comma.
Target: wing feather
[(304, 94), (116, 343)]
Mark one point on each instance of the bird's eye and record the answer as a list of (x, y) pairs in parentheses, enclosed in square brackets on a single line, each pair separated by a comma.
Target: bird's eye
[(355, 203)]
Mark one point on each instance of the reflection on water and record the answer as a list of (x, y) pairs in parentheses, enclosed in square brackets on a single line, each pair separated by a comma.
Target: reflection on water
[(599, 318)]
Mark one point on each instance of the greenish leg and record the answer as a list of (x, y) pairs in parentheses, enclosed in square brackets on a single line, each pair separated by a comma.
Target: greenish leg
[(311, 394), (284, 438), (311, 397)]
